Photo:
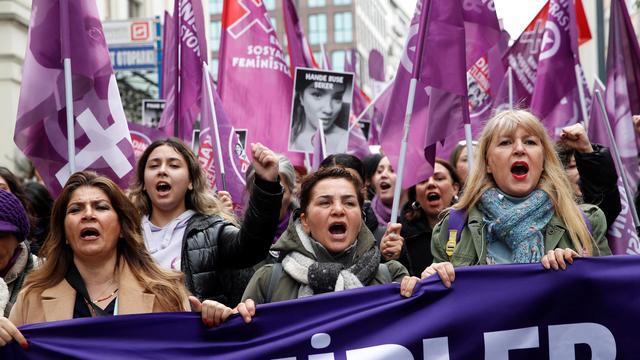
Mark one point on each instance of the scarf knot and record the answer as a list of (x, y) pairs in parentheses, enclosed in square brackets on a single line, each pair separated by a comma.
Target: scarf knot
[(517, 224)]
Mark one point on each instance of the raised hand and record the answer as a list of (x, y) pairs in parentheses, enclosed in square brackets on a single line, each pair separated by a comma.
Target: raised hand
[(575, 136), (265, 162)]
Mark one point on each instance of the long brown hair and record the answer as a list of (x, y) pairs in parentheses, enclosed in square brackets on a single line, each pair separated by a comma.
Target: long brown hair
[(167, 286), (201, 199), (553, 179)]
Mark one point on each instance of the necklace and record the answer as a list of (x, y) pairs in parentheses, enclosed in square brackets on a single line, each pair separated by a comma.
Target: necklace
[(96, 301), (101, 299)]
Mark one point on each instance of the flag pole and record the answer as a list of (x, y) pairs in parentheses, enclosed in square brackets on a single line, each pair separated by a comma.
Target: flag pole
[(68, 83), (325, 58), (216, 130), (510, 83), (583, 102), (616, 158), (323, 144), (422, 29), (176, 119)]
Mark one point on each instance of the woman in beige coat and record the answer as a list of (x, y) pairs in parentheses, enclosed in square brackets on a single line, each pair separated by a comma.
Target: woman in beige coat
[(97, 265)]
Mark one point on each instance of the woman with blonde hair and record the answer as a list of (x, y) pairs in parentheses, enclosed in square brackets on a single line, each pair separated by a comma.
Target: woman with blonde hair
[(518, 205), (185, 226)]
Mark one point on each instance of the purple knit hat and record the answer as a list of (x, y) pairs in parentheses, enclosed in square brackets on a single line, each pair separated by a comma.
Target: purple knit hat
[(13, 217)]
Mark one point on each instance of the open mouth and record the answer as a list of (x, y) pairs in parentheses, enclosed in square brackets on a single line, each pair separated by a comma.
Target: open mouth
[(163, 187), (89, 233), (385, 186), (433, 196), (338, 228), (519, 170)]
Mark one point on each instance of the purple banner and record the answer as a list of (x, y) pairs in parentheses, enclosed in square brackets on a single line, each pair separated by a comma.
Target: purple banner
[(102, 141), (254, 82), (571, 314), (358, 144)]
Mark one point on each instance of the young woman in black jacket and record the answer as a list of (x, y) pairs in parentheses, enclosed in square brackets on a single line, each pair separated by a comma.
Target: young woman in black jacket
[(186, 228)]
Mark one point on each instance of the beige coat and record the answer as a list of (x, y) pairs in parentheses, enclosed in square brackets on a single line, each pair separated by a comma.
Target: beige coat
[(57, 303)]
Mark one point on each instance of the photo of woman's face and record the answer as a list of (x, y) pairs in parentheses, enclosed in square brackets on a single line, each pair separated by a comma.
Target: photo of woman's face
[(322, 105)]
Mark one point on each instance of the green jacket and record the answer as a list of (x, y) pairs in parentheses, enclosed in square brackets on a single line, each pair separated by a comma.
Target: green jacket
[(472, 247), (286, 287)]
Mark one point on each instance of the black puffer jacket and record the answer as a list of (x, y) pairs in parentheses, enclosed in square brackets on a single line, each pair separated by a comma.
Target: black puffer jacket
[(599, 181), (212, 244)]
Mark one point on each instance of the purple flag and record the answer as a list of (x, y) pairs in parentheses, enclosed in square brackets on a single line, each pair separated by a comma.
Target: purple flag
[(254, 80), (232, 151), (142, 136), (622, 233), (481, 27), (555, 95), (376, 73), (300, 54), (169, 56), (440, 104), (376, 65), (102, 139), (183, 97), (622, 96), (381, 104), (585, 312)]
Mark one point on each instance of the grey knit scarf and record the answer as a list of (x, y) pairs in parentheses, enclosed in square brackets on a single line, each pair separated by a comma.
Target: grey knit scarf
[(329, 272)]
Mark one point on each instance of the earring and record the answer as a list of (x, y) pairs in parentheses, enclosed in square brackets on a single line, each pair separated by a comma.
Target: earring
[(456, 198), (415, 205)]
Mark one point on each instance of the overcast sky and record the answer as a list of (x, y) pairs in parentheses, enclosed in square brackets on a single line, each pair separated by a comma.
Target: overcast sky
[(516, 15)]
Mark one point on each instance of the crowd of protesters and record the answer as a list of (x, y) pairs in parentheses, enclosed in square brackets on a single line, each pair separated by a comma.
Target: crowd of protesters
[(172, 244)]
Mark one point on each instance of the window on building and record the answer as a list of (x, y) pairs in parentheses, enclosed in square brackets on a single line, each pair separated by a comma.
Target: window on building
[(341, 2), (337, 60), (214, 35), (213, 67), (318, 56), (270, 4), (342, 27), (215, 6), (135, 8), (317, 3), (317, 28)]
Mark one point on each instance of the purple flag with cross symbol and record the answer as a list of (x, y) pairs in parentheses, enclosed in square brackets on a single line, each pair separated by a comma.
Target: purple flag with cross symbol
[(254, 82), (183, 96), (622, 235), (102, 141), (622, 96), (440, 104)]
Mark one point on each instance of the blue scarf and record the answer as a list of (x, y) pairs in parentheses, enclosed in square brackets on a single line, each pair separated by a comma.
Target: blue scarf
[(517, 224)]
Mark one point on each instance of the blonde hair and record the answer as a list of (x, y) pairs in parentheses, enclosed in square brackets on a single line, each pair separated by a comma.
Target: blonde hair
[(201, 199), (553, 179), (167, 286)]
